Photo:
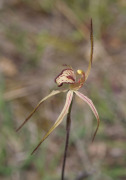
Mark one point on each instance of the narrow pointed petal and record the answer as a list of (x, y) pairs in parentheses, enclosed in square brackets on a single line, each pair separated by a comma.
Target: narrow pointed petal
[(34, 110), (90, 103), (60, 118), (91, 53)]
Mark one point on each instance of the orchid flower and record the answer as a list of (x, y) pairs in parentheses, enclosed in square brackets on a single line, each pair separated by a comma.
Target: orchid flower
[(68, 76)]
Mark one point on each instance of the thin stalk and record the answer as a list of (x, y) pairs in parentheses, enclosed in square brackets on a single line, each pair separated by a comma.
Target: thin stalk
[(68, 125)]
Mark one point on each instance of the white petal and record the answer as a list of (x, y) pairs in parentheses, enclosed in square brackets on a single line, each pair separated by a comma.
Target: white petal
[(90, 103), (60, 118)]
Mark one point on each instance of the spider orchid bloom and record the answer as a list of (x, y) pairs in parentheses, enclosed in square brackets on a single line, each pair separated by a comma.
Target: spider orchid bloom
[(69, 77)]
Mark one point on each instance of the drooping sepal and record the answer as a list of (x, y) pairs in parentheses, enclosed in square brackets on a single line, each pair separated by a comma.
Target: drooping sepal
[(90, 103), (60, 118), (54, 92)]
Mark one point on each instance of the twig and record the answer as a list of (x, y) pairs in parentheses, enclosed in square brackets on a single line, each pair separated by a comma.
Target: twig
[(68, 125)]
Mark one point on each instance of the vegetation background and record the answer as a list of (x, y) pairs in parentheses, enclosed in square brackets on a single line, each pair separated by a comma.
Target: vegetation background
[(36, 39)]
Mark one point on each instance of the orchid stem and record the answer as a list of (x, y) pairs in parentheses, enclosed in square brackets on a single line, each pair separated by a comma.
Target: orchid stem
[(68, 125)]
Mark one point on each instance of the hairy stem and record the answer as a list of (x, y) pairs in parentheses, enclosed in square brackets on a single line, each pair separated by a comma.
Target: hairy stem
[(68, 125)]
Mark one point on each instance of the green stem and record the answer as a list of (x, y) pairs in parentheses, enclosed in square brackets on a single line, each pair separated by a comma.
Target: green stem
[(68, 125)]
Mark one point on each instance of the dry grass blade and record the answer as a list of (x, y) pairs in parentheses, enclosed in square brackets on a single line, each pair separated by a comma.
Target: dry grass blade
[(71, 17)]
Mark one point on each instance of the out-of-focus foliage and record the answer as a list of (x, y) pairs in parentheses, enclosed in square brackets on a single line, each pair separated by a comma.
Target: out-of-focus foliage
[(36, 39)]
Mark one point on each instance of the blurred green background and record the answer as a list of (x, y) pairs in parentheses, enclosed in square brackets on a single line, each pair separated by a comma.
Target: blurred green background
[(36, 39)]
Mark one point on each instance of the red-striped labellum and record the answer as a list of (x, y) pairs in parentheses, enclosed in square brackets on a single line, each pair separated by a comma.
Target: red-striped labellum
[(66, 76)]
